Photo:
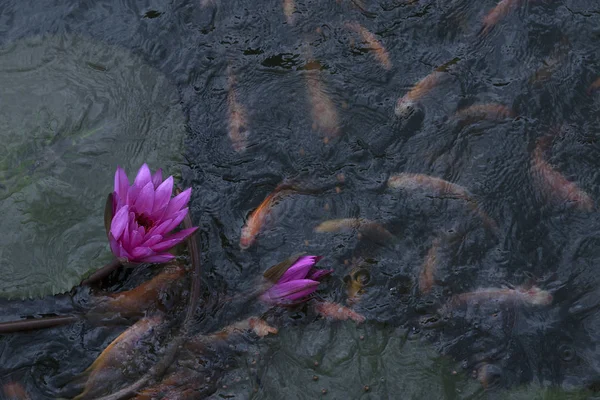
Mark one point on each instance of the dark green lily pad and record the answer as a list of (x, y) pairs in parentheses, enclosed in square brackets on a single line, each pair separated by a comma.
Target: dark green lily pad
[(71, 109)]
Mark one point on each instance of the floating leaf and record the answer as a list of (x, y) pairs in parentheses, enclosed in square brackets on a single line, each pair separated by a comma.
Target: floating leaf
[(65, 126)]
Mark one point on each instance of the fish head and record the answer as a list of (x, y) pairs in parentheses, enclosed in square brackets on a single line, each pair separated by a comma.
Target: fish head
[(246, 238), (538, 297), (404, 107)]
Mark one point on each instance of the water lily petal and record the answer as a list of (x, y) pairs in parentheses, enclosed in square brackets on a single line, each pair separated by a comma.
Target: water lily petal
[(163, 194), (132, 195), (157, 178), (160, 229), (124, 254), (177, 218), (158, 215), (137, 237), (158, 258), (317, 274), (126, 236), (119, 222), (145, 200), (143, 176), (121, 183), (114, 245), (152, 240), (296, 271), (141, 252), (174, 240), (178, 202), (299, 269), (290, 291)]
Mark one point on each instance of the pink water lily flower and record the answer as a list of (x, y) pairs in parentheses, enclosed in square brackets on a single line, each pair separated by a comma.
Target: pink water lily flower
[(144, 214), (298, 282)]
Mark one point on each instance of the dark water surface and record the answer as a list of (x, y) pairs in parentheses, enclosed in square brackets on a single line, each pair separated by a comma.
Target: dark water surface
[(539, 60)]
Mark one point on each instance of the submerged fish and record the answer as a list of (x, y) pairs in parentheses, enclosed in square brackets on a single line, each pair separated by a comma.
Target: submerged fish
[(532, 296), (324, 113), (380, 52), (257, 218), (491, 111), (429, 267), (554, 184), (338, 312), (109, 363), (488, 375), (15, 391), (551, 63), (406, 104), (363, 226), (138, 300), (502, 9), (440, 188), (257, 325), (182, 384), (238, 121), (594, 86), (289, 7)]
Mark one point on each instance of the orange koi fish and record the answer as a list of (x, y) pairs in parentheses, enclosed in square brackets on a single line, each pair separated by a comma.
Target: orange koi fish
[(532, 296), (502, 9), (15, 391), (182, 384), (363, 226), (259, 326), (429, 267), (594, 86), (338, 312), (487, 375), (289, 7), (324, 113), (110, 362), (406, 104), (440, 188), (554, 184), (258, 217), (380, 52), (138, 300), (491, 111), (238, 122)]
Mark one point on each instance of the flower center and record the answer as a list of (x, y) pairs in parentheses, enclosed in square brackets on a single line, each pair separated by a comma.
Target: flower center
[(145, 221)]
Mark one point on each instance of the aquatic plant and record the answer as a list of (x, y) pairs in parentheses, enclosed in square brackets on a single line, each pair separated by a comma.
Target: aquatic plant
[(144, 214), (299, 281)]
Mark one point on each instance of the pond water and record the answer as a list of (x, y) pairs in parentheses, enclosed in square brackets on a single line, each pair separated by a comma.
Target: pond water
[(258, 98)]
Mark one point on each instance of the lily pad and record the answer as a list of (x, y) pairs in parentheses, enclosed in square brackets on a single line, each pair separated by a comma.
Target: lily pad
[(71, 110)]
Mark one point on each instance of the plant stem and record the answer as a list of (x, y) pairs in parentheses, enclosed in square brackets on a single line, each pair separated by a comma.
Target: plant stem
[(101, 273), (38, 323), (196, 269)]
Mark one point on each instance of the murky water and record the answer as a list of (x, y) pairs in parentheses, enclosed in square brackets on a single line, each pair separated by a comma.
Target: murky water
[(538, 61)]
